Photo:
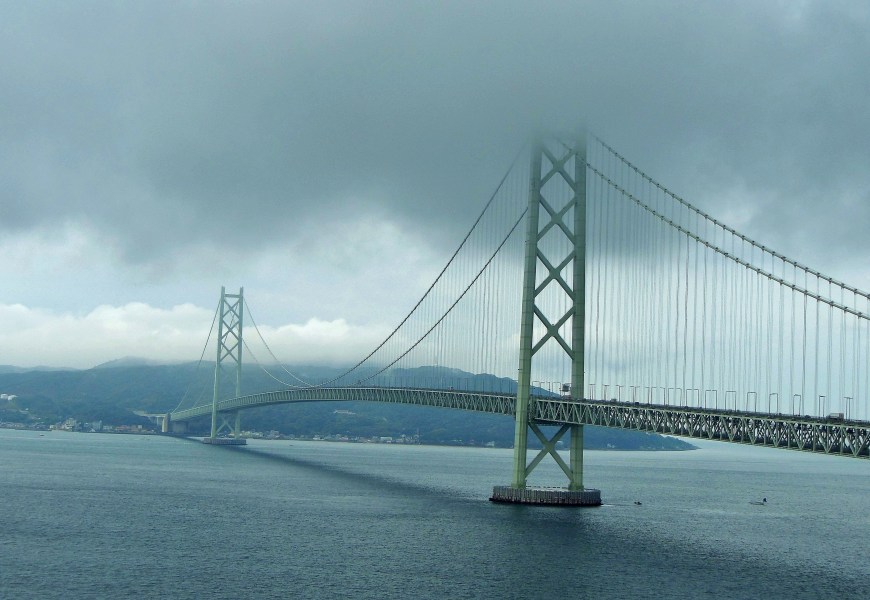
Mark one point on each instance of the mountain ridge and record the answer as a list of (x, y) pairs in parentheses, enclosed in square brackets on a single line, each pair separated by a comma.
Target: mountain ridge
[(112, 394)]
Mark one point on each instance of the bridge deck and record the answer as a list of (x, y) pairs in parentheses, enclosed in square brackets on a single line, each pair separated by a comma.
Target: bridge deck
[(810, 434)]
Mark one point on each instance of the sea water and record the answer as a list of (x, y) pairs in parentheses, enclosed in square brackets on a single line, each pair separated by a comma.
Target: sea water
[(123, 516)]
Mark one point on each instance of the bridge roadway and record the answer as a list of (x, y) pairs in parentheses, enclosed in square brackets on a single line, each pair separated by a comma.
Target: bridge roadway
[(809, 434)]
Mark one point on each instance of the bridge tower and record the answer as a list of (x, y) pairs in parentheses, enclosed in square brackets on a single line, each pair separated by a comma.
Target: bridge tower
[(551, 212), (229, 348)]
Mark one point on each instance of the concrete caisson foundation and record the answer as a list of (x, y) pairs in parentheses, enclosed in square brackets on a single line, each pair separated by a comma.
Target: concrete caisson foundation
[(225, 441), (546, 496)]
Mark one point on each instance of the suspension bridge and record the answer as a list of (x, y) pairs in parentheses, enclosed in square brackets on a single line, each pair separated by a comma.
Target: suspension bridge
[(622, 305)]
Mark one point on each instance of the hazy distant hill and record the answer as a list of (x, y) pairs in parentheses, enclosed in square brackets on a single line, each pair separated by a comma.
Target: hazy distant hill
[(12, 369), (113, 391), (131, 361)]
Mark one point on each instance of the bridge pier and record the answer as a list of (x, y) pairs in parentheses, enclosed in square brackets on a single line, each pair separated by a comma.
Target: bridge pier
[(225, 441), (574, 495), (230, 422), (545, 496), (178, 427), (537, 316), (576, 459)]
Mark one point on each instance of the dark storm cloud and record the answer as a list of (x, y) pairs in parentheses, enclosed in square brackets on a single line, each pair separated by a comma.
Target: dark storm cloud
[(164, 125)]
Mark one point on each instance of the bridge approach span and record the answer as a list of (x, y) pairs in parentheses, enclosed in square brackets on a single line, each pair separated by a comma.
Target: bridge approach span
[(809, 434)]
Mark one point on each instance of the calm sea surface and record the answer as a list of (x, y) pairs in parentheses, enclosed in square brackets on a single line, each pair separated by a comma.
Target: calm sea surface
[(115, 516)]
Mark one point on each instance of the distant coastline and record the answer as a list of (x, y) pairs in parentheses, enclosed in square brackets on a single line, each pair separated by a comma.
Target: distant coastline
[(681, 447)]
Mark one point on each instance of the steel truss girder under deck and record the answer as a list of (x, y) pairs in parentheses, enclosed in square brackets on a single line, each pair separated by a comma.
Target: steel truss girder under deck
[(847, 438), (473, 401)]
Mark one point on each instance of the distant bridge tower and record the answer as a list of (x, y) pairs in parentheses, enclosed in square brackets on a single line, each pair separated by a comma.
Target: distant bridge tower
[(556, 243), (229, 348)]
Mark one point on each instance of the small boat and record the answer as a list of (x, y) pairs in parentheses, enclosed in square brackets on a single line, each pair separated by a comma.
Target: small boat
[(757, 503), (638, 502)]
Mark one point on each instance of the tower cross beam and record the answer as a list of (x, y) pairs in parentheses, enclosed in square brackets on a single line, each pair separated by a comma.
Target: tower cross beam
[(556, 219), (558, 166), (549, 448), (552, 331), (554, 273)]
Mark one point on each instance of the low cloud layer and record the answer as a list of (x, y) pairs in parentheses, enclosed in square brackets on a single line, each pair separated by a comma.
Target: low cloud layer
[(153, 152)]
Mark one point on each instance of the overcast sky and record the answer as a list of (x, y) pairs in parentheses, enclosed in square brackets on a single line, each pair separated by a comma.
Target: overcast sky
[(319, 153)]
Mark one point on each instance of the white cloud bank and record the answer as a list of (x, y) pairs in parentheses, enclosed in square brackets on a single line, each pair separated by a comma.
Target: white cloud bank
[(31, 337)]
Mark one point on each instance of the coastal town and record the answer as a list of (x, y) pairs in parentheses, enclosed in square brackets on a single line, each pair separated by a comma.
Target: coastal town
[(72, 425)]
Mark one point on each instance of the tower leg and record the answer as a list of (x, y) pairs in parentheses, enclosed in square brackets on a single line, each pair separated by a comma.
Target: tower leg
[(576, 458), (527, 323), (521, 444), (217, 364)]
